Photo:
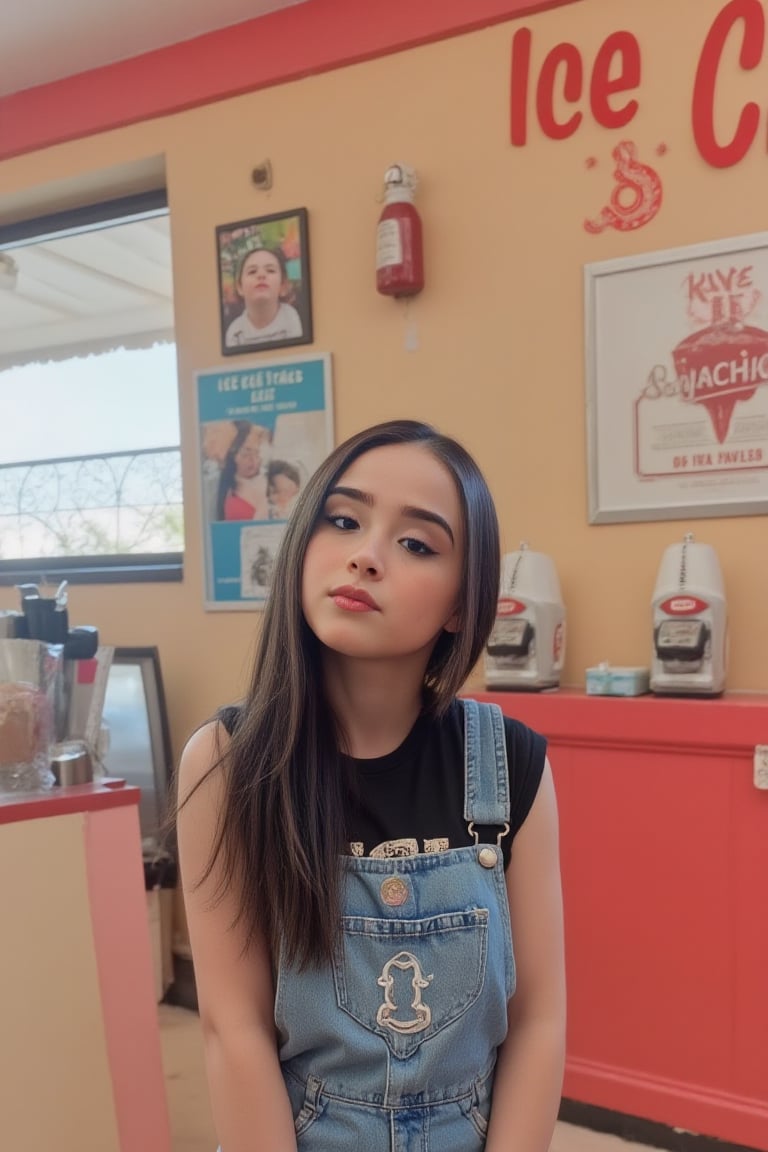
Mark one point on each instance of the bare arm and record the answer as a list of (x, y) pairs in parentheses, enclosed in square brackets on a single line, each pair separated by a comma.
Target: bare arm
[(235, 989), (526, 1093)]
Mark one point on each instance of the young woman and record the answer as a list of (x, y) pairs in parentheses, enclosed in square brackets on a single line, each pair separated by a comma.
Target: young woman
[(242, 493), (355, 841), (262, 282)]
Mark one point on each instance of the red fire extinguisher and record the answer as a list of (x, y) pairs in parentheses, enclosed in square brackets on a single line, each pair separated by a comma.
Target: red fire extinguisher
[(399, 251)]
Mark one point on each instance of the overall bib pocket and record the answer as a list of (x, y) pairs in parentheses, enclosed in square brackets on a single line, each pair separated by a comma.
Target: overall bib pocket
[(407, 980)]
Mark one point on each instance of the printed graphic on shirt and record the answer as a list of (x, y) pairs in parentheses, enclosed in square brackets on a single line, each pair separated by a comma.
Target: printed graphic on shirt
[(392, 849), (440, 844)]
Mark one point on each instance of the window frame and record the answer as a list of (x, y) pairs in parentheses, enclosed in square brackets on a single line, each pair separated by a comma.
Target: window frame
[(128, 568)]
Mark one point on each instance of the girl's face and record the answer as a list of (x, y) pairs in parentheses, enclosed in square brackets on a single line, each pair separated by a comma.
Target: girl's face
[(383, 569), (248, 457), (261, 277), (282, 490)]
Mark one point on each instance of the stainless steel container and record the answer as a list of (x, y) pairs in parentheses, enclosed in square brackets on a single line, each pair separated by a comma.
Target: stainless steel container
[(71, 764)]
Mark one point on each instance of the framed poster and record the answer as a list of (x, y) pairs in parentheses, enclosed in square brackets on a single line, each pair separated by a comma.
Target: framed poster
[(264, 291), (677, 383), (262, 432)]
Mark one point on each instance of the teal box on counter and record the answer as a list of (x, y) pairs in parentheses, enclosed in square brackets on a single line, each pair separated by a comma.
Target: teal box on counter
[(605, 680)]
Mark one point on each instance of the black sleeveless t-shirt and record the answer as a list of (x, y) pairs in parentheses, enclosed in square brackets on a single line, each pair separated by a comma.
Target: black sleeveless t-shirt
[(412, 799)]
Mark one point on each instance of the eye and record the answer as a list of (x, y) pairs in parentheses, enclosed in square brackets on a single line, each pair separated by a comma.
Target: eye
[(343, 523), (417, 547)]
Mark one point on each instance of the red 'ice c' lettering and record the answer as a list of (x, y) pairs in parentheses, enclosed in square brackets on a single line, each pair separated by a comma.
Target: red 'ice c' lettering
[(624, 46), (573, 82), (751, 14), (518, 87)]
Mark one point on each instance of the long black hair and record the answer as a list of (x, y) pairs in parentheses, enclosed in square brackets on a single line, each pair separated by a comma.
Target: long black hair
[(282, 827)]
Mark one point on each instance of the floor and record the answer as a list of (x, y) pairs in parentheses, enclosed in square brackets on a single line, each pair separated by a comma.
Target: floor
[(191, 1123)]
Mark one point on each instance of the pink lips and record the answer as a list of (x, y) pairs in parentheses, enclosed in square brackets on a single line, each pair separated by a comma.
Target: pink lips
[(353, 599)]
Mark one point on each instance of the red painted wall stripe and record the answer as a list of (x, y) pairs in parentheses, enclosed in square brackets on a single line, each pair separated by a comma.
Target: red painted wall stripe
[(309, 38)]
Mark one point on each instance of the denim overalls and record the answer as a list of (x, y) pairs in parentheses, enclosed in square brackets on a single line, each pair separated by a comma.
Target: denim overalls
[(393, 1048)]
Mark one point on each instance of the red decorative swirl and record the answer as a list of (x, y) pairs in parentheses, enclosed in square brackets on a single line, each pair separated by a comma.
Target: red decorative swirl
[(642, 182)]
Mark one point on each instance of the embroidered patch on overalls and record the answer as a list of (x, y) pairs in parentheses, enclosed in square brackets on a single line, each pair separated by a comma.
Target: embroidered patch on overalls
[(386, 1014)]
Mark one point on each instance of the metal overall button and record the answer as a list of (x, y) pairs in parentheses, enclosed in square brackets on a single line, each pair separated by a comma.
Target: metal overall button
[(488, 856), (394, 891)]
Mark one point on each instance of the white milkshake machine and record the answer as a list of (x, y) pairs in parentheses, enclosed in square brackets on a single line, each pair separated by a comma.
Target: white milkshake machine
[(690, 624), (526, 648)]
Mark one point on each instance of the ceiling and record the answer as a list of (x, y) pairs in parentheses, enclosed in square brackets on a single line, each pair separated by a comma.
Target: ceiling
[(88, 292), (46, 40), (109, 286)]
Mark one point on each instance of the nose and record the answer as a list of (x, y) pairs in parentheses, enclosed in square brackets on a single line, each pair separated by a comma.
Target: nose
[(366, 560)]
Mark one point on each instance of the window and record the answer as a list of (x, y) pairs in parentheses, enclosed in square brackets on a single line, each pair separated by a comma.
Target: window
[(90, 462)]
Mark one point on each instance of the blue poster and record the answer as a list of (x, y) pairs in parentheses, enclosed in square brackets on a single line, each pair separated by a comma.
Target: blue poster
[(263, 431)]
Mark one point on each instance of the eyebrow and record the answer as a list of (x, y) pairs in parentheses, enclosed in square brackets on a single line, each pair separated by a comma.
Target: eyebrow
[(408, 510)]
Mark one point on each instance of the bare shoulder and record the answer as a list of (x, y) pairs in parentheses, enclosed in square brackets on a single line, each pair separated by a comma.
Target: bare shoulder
[(206, 748), (201, 800), (540, 828)]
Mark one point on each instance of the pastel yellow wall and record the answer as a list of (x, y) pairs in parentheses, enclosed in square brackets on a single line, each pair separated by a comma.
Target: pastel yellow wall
[(500, 357), (48, 1098)]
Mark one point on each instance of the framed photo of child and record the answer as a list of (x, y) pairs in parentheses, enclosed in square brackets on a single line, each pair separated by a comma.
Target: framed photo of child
[(265, 299)]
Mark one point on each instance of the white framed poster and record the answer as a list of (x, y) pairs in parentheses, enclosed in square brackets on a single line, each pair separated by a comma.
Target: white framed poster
[(262, 432), (677, 382)]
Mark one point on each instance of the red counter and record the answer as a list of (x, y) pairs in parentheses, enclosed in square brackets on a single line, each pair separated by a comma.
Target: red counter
[(80, 1023), (665, 874), (96, 797)]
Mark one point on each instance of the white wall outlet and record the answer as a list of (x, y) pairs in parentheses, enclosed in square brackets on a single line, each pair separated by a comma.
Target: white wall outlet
[(761, 766)]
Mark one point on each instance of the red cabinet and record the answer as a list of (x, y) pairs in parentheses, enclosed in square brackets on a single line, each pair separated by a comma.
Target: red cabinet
[(665, 876)]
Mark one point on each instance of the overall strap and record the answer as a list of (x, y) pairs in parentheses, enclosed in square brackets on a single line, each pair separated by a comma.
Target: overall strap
[(486, 773)]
